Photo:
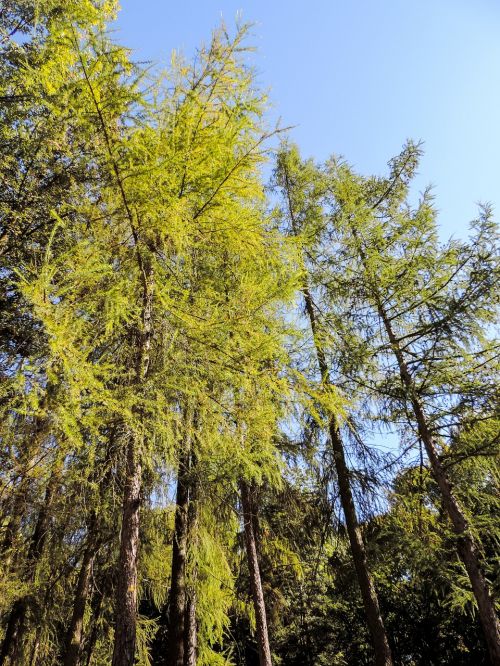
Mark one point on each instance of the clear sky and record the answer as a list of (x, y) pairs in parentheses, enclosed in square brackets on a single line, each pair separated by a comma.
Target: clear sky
[(358, 77)]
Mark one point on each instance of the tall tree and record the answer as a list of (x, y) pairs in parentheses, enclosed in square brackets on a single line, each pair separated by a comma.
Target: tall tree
[(434, 305), (303, 188), (249, 525)]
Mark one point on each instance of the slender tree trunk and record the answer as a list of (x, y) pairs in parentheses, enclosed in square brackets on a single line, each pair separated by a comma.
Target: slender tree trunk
[(177, 598), (94, 633), (191, 630), (255, 579), (369, 595), (191, 627), (126, 594), (182, 626), (12, 645), (94, 541), (466, 545), (75, 632), (126, 590)]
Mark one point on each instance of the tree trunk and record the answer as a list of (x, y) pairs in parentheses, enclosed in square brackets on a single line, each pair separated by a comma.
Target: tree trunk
[(191, 642), (30, 449), (12, 645), (94, 633), (126, 594), (177, 597), (94, 541), (466, 545), (255, 579), (468, 551), (191, 627), (126, 590), (368, 593), (75, 632)]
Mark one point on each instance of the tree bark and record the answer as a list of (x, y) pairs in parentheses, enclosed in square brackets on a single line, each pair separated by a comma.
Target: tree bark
[(255, 579), (126, 594), (126, 590), (191, 627), (177, 597), (75, 632)]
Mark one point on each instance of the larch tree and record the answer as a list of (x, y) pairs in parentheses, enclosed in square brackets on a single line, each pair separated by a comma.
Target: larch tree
[(303, 193), (156, 505), (153, 290), (430, 308)]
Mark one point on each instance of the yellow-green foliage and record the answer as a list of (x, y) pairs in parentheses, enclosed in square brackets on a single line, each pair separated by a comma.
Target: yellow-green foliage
[(166, 198)]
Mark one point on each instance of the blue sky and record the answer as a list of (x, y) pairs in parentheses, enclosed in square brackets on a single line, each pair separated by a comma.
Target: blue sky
[(357, 77)]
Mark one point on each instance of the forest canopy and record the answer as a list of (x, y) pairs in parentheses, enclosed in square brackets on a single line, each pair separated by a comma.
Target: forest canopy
[(249, 400)]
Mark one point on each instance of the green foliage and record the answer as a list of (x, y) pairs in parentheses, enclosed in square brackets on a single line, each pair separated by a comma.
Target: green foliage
[(149, 295)]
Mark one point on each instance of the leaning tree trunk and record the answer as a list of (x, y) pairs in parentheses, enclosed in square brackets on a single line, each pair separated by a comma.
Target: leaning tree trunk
[(255, 579), (368, 593), (371, 605), (466, 544)]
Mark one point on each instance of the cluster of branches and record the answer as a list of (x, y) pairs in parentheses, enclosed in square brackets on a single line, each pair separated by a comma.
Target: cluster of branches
[(197, 378)]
